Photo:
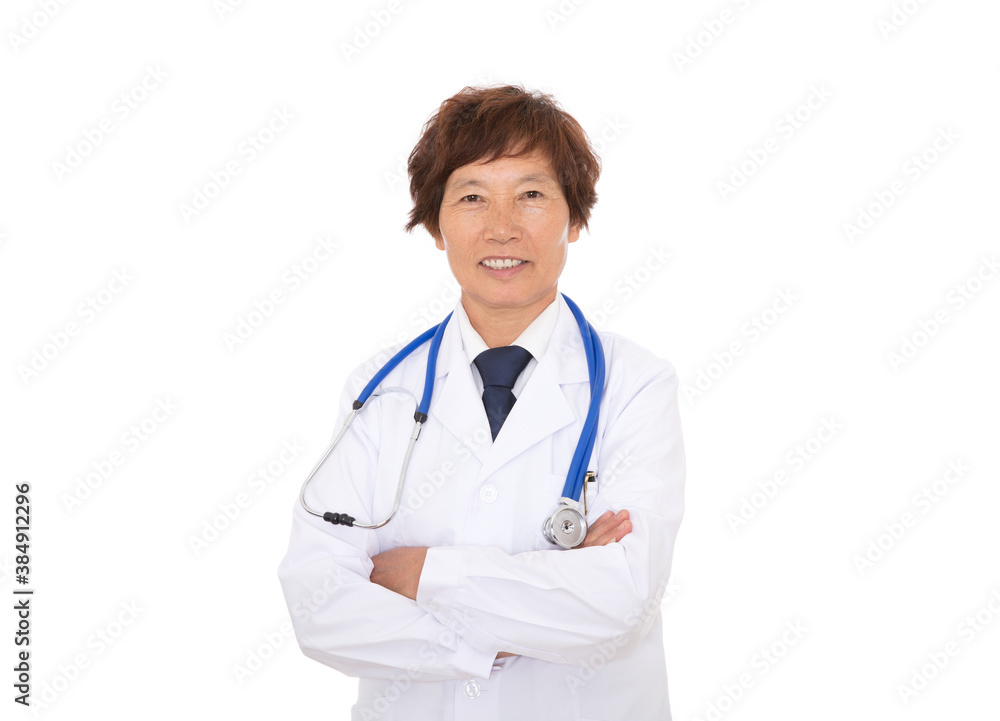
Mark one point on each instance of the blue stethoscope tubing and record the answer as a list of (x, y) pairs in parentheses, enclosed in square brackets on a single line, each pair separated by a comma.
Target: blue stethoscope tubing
[(567, 526), (595, 367)]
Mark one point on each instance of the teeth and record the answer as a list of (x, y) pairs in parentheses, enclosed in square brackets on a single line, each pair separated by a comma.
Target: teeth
[(501, 264)]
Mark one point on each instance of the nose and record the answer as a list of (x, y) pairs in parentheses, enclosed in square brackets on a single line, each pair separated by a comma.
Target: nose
[(501, 222)]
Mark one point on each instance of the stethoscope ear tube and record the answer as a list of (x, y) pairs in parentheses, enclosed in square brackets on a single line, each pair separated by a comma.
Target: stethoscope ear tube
[(393, 362), (419, 416), (432, 358), (344, 519), (302, 491), (595, 365)]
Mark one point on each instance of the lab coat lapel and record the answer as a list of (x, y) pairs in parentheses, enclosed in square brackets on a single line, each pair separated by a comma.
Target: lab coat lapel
[(543, 408), (459, 407)]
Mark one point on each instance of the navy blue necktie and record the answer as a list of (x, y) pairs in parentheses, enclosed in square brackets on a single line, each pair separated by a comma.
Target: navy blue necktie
[(499, 368)]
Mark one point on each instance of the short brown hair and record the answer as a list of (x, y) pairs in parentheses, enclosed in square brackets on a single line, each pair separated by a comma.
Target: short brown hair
[(485, 123)]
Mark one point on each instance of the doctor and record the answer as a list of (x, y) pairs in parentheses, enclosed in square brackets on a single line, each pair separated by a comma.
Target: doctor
[(459, 608)]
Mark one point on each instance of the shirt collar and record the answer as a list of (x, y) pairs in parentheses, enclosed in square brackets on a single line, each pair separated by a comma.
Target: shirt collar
[(534, 338)]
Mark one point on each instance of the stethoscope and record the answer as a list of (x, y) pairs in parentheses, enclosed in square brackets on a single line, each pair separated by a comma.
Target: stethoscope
[(567, 526)]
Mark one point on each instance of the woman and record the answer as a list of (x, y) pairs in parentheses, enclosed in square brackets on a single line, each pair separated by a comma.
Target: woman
[(460, 607)]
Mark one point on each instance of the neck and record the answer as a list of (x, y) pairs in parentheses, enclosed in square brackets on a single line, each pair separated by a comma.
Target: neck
[(501, 326)]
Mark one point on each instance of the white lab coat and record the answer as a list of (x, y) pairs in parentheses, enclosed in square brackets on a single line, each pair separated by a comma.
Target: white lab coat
[(585, 622)]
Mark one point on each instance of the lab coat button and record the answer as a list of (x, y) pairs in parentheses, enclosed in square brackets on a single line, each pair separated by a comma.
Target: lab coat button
[(472, 689), (488, 493)]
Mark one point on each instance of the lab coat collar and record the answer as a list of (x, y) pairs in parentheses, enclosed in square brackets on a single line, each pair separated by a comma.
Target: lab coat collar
[(540, 410)]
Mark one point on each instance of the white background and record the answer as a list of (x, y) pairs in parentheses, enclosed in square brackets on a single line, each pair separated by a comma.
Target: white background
[(676, 108)]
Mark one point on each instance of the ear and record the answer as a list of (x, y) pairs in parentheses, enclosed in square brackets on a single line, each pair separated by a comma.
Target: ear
[(574, 233), (439, 240)]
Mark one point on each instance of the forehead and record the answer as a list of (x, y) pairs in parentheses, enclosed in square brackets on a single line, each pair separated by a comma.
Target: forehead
[(535, 167)]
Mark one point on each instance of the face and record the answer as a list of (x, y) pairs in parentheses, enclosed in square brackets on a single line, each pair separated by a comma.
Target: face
[(505, 228)]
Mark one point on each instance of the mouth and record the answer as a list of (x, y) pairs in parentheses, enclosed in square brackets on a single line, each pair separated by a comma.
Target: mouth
[(501, 263)]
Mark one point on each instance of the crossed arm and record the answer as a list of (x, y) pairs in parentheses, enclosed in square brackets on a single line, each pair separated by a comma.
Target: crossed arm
[(399, 569)]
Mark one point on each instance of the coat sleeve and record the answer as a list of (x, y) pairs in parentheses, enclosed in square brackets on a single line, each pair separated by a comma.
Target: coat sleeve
[(340, 618), (557, 605)]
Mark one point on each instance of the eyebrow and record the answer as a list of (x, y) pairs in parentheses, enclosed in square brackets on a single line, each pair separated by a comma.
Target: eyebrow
[(533, 178)]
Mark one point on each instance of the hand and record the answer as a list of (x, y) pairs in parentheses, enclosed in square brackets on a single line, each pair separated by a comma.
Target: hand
[(607, 529), (399, 570)]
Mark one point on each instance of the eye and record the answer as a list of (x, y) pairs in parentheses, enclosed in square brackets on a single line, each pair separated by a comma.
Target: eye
[(470, 198), (533, 194)]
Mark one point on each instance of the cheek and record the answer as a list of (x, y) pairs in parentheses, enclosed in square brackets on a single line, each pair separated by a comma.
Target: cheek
[(557, 225), (558, 239), (455, 234), (458, 261)]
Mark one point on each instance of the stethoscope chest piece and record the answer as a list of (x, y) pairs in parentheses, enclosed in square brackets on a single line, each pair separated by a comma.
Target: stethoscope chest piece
[(567, 527)]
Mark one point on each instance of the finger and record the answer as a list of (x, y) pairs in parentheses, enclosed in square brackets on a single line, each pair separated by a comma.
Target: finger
[(610, 518), (625, 527), (608, 528), (602, 521), (623, 530), (613, 521), (598, 528), (616, 529)]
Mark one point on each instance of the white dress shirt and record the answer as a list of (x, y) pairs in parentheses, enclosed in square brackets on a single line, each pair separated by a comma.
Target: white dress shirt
[(534, 339)]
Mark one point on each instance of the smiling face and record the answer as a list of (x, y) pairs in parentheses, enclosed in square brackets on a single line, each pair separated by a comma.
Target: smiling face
[(505, 228)]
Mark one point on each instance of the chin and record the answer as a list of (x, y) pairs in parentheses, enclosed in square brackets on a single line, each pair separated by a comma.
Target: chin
[(515, 300)]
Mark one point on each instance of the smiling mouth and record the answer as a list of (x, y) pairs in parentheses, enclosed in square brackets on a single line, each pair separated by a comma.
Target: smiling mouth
[(501, 264)]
